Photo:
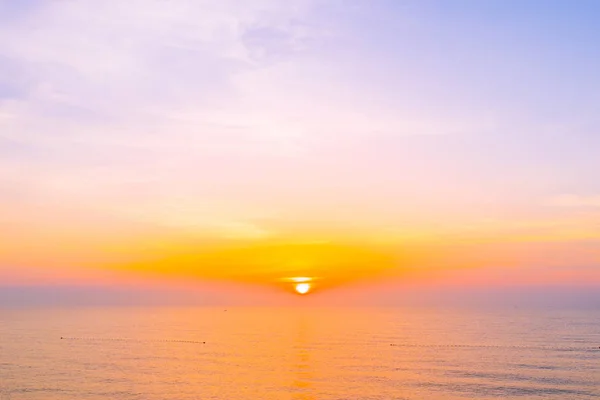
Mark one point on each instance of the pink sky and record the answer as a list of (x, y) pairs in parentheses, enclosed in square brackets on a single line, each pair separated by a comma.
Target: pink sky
[(432, 138)]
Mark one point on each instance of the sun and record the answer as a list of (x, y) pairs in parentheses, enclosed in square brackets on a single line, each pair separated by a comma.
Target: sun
[(300, 284), (302, 288)]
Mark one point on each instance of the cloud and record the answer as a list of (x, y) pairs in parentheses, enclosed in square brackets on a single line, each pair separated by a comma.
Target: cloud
[(97, 100), (129, 68), (573, 200), (239, 107), (154, 51)]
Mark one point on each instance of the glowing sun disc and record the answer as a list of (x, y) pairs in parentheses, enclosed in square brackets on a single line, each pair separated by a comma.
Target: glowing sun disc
[(302, 288)]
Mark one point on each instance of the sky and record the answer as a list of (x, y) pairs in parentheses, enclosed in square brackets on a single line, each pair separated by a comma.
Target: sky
[(243, 142)]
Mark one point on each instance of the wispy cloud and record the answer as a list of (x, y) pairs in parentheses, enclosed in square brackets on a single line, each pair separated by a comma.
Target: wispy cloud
[(171, 95), (573, 200)]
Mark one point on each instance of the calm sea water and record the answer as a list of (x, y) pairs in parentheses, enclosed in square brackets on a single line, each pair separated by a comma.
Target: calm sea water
[(298, 353)]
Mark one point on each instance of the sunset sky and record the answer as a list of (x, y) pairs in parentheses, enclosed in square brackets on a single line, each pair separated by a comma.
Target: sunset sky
[(243, 142)]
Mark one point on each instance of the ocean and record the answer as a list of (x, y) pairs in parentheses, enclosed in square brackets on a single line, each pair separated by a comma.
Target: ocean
[(298, 353)]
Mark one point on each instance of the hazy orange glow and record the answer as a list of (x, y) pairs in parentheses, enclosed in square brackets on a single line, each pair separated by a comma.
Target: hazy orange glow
[(63, 250), (73, 255), (272, 263)]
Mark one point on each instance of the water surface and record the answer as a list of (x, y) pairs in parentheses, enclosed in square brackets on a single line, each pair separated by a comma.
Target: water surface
[(297, 353)]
